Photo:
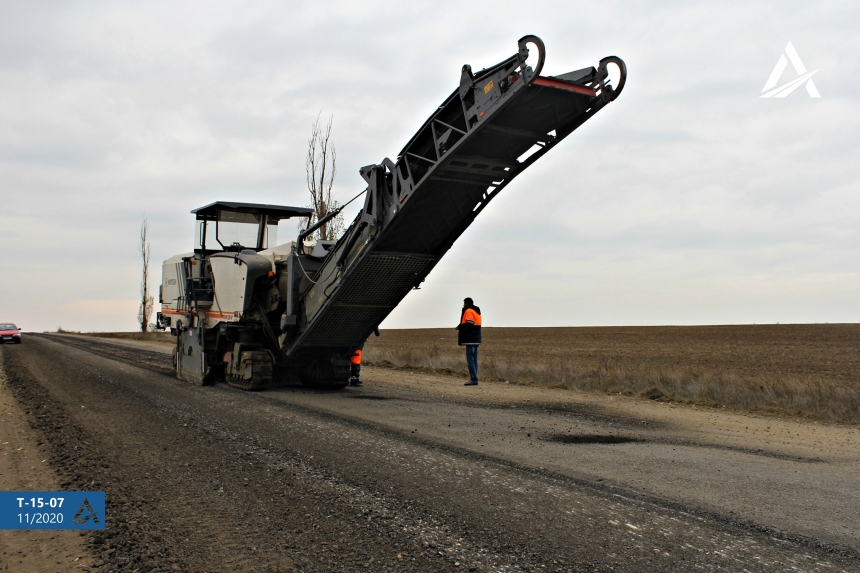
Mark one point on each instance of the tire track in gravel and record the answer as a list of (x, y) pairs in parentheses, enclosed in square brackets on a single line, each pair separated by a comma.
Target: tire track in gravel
[(148, 359)]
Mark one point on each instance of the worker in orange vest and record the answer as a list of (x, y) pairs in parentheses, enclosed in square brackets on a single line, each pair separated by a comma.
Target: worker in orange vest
[(469, 335), (355, 368)]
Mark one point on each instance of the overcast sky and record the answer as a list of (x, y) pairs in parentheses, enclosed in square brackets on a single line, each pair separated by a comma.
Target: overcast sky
[(689, 200)]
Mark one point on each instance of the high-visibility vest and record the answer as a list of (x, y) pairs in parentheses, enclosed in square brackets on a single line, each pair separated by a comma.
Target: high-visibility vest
[(356, 358), (471, 315)]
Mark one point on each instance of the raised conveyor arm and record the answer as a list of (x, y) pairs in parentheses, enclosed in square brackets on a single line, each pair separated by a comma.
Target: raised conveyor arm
[(415, 209)]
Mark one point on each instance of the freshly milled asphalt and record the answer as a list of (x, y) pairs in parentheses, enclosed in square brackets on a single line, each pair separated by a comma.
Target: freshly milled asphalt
[(215, 479)]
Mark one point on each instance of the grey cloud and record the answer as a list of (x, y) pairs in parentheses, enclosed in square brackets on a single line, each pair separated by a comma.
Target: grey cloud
[(110, 111)]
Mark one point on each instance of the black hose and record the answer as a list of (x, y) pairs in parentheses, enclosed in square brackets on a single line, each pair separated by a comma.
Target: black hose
[(267, 327), (307, 232), (350, 244)]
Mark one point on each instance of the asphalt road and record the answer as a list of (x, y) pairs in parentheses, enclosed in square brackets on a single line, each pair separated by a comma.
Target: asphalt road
[(386, 479)]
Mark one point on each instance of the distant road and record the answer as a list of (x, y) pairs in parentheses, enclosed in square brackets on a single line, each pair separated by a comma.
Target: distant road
[(416, 473)]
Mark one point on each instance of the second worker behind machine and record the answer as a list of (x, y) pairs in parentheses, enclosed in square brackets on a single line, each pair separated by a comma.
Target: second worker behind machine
[(469, 335), (355, 367)]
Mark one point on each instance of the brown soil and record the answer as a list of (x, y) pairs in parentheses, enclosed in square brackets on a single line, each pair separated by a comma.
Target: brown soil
[(828, 352), (808, 369), (24, 467)]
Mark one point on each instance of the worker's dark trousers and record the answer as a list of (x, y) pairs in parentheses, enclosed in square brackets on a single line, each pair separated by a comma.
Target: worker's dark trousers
[(472, 361), (354, 370)]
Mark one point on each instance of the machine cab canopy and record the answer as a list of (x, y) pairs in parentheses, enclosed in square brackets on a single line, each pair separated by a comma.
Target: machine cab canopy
[(227, 226)]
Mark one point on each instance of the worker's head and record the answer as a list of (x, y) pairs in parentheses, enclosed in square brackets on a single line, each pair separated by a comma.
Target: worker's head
[(467, 302)]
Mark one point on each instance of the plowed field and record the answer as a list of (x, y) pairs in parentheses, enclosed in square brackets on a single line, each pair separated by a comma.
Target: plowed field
[(811, 369)]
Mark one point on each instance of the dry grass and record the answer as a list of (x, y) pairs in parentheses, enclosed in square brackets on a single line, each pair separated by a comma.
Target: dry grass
[(807, 370)]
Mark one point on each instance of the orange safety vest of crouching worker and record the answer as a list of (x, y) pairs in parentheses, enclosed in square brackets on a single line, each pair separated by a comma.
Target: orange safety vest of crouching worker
[(355, 358)]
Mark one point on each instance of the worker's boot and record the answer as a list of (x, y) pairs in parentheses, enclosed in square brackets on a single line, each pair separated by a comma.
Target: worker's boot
[(354, 381)]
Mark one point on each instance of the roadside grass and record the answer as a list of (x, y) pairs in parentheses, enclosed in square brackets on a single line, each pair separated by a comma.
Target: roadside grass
[(777, 393)]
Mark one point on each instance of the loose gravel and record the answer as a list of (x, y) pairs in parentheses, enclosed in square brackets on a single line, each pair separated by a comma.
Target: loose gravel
[(214, 479)]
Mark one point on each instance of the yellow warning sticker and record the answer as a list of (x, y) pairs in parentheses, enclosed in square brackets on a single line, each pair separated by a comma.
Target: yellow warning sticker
[(488, 87)]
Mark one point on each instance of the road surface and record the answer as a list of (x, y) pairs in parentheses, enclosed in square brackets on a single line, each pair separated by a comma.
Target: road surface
[(416, 473)]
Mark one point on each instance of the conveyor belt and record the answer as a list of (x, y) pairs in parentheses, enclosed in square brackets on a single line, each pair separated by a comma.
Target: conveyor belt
[(459, 160)]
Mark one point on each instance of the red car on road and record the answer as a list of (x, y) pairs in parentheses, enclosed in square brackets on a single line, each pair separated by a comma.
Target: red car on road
[(10, 333)]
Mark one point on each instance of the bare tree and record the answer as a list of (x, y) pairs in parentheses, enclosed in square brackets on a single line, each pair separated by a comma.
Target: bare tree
[(320, 168), (146, 300)]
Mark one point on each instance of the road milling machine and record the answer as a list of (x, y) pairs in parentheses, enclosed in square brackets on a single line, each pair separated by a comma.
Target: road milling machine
[(247, 311)]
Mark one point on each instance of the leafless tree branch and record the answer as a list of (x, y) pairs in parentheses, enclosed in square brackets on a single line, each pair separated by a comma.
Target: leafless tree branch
[(320, 170), (146, 300)]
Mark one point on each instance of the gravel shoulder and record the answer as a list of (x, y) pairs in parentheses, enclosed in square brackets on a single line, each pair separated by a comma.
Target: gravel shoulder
[(213, 479), (24, 467)]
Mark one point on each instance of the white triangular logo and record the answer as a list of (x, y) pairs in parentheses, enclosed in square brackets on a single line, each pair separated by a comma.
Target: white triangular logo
[(785, 89)]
